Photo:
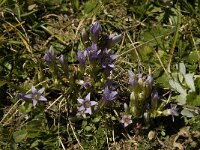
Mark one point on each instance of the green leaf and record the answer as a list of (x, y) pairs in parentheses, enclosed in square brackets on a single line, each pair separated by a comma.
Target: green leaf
[(84, 123), (190, 81), (2, 83), (193, 99), (97, 119), (19, 135), (34, 144), (75, 4), (175, 85), (187, 113), (26, 108), (90, 5), (88, 128)]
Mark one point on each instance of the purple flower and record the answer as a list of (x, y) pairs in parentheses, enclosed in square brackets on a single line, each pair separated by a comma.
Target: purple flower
[(86, 104), (126, 120), (107, 61), (81, 57), (154, 99), (112, 39), (81, 112), (154, 95), (85, 83), (95, 30), (133, 79), (93, 52), (49, 56), (21, 96), (149, 81), (36, 95), (109, 95), (62, 59), (173, 111)]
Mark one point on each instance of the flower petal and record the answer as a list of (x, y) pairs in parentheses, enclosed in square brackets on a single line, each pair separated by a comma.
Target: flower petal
[(88, 111), (81, 108), (30, 96), (125, 124), (33, 89), (87, 98), (80, 100), (41, 90), (34, 102), (92, 103), (42, 98)]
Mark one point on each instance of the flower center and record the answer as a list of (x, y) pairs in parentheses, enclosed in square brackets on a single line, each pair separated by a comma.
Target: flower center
[(87, 104), (35, 96), (126, 120)]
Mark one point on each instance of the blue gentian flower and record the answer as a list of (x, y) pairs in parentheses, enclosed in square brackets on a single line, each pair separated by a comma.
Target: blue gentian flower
[(149, 81), (86, 104), (112, 39), (173, 111), (126, 120), (107, 61), (154, 95), (81, 112), (49, 56), (95, 30), (93, 52), (109, 95), (81, 57), (133, 79), (35, 95)]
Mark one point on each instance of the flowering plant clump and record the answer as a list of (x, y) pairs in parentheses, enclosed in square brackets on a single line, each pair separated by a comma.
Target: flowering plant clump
[(144, 100), (83, 91)]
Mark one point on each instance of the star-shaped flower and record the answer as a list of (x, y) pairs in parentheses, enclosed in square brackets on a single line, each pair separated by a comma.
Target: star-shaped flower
[(126, 120), (86, 104), (35, 95), (109, 95)]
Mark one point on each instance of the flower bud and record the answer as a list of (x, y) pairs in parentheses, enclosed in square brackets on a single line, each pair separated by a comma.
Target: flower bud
[(95, 30), (49, 56), (84, 36), (112, 39), (154, 100), (132, 79), (149, 81), (132, 97)]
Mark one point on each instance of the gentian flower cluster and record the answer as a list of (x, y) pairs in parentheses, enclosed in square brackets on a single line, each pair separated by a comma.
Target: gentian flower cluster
[(141, 88), (97, 62), (98, 55)]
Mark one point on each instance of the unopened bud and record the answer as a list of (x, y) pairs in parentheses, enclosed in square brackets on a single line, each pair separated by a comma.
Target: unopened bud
[(84, 36), (112, 39), (95, 30)]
